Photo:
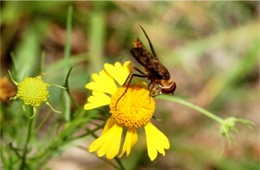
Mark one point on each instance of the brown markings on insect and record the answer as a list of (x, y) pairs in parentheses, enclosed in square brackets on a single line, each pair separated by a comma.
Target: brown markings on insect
[(159, 76)]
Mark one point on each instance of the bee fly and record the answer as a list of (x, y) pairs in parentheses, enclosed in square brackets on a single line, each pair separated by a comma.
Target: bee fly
[(159, 76)]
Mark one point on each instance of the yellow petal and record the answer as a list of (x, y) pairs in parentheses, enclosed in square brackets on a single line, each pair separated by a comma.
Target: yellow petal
[(102, 82), (118, 71), (108, 143), (115, 141), (130, 140), (156, 141), (99, 141), (96, 100), (110, 122)]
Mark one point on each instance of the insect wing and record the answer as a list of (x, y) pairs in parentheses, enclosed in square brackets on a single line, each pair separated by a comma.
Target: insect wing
[(151, 63)]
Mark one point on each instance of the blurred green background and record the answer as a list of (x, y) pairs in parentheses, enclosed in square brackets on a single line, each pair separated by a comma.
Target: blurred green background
[(210, 48)]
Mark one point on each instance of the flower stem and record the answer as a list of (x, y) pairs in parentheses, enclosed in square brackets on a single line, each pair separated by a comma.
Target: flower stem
[(43, 121), (195, 107), (67, 112), (118, 161), (25, 148)]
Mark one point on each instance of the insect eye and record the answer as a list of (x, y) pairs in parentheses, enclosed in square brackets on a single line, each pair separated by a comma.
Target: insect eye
[(169, 89), (174, 87)]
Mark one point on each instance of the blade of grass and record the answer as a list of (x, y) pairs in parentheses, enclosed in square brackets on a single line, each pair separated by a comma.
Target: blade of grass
[(245, 65), (68, 90), (27, 59), (195, 49), (240, 70), (42, 62), (26, 56), (67, 61), (59, 64), (97, 36)]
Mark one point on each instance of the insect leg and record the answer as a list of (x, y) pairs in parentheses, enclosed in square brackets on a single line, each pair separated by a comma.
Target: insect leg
[(138, 70), (151, 87), (130, 77), (156, 92), (127, 78)]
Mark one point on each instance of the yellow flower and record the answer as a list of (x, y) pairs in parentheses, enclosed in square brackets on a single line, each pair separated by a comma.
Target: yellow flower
[(133, 110), (33, 91)]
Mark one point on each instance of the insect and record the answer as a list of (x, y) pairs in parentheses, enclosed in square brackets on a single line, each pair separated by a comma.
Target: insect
[(159, 76)]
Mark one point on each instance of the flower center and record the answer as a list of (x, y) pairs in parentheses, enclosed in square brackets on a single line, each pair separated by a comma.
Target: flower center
[(134, 109), (33, 91)]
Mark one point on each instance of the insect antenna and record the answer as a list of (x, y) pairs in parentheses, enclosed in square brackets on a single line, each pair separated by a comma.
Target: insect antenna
[(150, 43)]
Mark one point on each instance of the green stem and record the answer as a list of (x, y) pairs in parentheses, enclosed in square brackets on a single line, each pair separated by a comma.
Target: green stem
[(55, 144), (11, 77), (42, 62), (14, 150), (88, 133), (43, 121), (25, 148), (195, 107), (74, 102), (118, 161), (96, 36), (67, 60)]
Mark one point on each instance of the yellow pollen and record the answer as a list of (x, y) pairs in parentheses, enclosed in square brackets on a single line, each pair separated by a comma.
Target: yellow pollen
[(134, 109), (33, 91)]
